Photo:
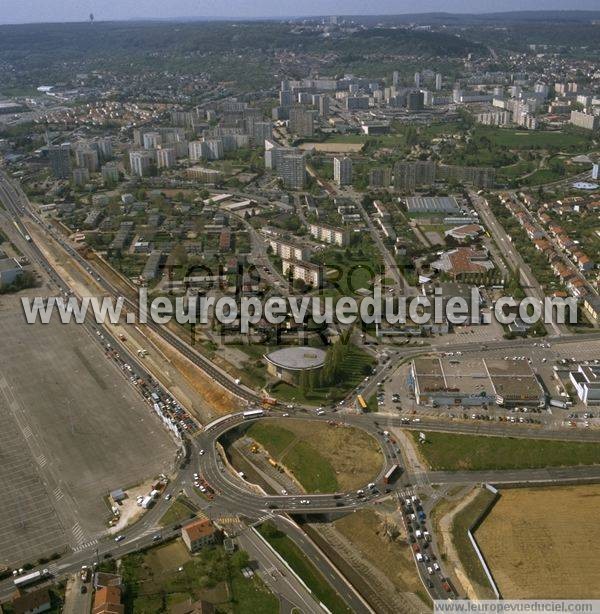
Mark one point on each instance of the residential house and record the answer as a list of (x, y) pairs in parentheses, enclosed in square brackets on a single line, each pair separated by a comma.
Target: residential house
[(198, 534)]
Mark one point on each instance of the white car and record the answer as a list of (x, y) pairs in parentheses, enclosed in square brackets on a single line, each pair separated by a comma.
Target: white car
[(436, 567), (119, 538), (430, 571), (201, 452)]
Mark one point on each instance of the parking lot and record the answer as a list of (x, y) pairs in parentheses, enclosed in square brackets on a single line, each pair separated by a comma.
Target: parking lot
[(543, 356), (74, 428)]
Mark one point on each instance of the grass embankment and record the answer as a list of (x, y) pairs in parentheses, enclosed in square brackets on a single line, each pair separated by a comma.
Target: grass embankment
[(449, 452), (463, 521), (180, 509), (309, 574), (322, 457)]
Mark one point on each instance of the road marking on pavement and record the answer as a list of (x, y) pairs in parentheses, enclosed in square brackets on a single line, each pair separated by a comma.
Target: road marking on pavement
[(86, 545)]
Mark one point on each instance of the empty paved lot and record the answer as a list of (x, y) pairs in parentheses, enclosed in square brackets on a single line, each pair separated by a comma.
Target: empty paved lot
[(72, 429)]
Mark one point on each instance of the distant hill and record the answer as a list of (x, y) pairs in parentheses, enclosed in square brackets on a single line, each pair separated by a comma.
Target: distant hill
[(76, 40), (440, 18)]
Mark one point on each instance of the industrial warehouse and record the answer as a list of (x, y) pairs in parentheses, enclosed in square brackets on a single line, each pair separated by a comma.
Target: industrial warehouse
[(440, 381)]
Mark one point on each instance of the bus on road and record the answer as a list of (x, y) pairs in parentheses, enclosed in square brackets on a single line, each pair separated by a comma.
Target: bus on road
[(253, 413), (361, 403), (30, 578)]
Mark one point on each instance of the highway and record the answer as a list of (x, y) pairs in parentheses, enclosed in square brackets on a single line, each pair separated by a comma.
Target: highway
[(275, 574), (18, 204), (232, 493)]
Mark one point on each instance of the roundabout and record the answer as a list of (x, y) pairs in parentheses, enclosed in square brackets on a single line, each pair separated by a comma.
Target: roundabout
[(252, 500)]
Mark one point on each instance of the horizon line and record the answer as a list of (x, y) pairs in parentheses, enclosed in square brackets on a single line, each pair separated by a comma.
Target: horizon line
[(182, 18)]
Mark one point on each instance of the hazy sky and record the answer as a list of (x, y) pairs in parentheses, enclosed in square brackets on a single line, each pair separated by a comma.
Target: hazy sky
[(21, 11)]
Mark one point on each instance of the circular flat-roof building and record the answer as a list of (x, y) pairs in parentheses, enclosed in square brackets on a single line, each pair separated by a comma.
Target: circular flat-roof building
[(288, 363)]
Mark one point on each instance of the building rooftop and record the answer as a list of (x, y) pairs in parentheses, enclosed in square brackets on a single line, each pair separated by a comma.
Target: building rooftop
[(432, 204), (514, 380), (107, 600), (199, 529), (463, 260), (31, 602), (297, 358), (469, 377)]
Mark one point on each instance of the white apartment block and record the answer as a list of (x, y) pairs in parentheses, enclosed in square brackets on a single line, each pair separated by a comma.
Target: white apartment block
[(165, 158), (197, 150), (288, 251), (585, 120), (342, 171), (140, 162), (310, 273), (329, 234)]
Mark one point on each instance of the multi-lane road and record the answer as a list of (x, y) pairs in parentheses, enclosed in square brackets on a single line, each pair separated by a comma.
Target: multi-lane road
[(232, 493)]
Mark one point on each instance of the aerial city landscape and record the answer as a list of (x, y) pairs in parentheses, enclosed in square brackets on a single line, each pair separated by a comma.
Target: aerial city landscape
[(300, 314)]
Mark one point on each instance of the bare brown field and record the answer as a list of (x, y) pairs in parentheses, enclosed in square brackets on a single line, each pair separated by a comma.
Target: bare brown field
[(333, 147), (366, 529), (545, 542), (217, 398)]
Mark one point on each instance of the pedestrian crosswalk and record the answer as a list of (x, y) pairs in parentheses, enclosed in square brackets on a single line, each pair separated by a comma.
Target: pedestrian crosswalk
[(92, 543), (231, 524), (53, 568), (406, 493), (58, 494), (81, 539), (227, 520)]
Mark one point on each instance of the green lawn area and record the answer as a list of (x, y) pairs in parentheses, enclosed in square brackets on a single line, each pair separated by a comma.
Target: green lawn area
[(541, 176), (153, 582), (563, 140), (346, 138), (304, 568), (274, 438), (251, 596), (462, 522), (181, 509), (347, 273), (309, 467), (449, 452), (513, 171)]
